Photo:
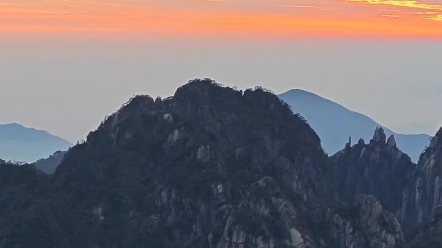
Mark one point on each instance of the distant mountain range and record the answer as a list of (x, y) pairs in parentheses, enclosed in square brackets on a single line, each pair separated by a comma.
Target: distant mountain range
[(24, 144), (335, 124)]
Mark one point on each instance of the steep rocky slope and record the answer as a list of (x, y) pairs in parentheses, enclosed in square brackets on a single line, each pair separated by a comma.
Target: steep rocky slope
[(422, 203), (429, 235), (208, 167), (412, 192), (378, 168), (187, 163), (423, 195)]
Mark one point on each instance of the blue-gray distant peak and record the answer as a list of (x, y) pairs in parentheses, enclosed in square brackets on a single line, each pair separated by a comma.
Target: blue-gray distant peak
[(304, 96), (17, 131), (334, 123), (28, 144)]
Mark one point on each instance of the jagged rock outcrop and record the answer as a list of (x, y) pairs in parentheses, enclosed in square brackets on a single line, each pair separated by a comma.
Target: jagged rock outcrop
[(412, 192), (381, 227), (379, 135), (364, 225), (267, 218), (378, 168), (391, 142), (424, 193), (429, 235)]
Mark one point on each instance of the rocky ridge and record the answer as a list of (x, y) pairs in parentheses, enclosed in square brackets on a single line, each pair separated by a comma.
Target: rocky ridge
[(378, 168), (412, 192), (209, 167), (422, 197), (421, 212), (202, 158)]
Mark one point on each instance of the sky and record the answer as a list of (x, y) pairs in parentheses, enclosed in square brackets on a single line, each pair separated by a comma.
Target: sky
[(217, 17), (66, 64)]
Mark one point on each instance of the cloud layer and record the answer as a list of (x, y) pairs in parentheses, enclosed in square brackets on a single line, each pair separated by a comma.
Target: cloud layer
[(406, 8), (282, 18)]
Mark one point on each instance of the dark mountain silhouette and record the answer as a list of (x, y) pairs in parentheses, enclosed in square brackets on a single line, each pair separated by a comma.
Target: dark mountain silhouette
[(208, 167), (413, 192), (422, 201), (335, 123), (27, 144), (377, 168)]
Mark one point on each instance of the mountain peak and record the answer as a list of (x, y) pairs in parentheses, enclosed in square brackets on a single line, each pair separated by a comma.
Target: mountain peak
[(327, 119), (209, 167), (16, 127), (21, 143), (437, 139), (439, 133), (300, 91), (12, 125), (306, 94), (391, 141), (219, 151), (379, 135), (371, 169)]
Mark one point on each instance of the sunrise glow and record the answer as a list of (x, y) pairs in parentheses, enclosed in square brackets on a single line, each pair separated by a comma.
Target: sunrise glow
[(284, 18)]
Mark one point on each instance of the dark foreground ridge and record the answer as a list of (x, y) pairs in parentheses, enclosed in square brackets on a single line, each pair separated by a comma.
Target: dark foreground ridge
[(377, 168), (209, 167), (411, 192)]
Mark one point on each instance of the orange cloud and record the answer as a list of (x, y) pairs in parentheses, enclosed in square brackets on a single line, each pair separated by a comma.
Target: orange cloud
[(156, 19), (400, 3), (432, 11)]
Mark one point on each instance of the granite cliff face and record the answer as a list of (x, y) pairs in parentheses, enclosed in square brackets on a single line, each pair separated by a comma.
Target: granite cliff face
[(421, 213), (422, 197), (429, 235), (411, 192), (209, 167), (366, 224), (378, 168)]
